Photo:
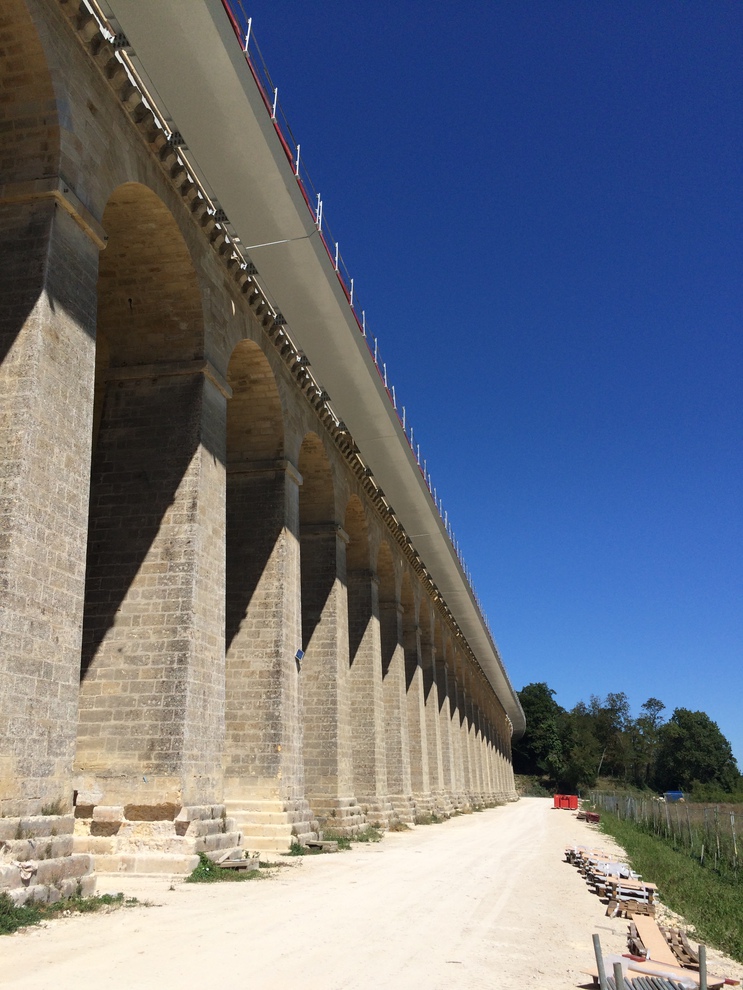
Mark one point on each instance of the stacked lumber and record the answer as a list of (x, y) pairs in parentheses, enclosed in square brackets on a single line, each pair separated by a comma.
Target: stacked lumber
[(624, 891), (659, 957)]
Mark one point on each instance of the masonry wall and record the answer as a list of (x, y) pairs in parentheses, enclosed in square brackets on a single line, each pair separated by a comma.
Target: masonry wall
[(181, 513)]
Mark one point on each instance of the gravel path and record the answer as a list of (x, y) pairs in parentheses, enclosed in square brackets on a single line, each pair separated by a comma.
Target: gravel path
[(480, 901)]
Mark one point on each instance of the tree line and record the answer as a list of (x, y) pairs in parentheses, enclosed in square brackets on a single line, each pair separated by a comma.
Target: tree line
[(570, 749)]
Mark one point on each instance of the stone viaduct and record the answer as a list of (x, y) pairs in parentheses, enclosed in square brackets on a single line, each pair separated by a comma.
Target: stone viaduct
[(184, 506)]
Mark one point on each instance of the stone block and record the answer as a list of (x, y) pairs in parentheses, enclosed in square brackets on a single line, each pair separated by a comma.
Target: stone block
[(193, 813), (38, 893), (107, 863), (20, 849), (113, 813), (9, 828), (88, 884), (165, 812), (200, 828), (50, 871), (95, 845), (105, 829), (61, 845), (39, 826), (19, 895), (10, 877), (157, 863)]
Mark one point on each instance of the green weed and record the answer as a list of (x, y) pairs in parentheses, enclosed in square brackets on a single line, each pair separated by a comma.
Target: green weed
[(297, 849), (428, 819), (12, 918), (712, 903), (209, 872), (344, 841), (371, 834)]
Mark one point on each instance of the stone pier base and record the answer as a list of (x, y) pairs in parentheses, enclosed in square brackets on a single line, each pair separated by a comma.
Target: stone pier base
[(271, 825), (120, 844), (38, 862)]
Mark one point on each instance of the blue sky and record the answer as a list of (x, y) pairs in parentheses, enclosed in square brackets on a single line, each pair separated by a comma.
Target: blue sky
[(540, 203)]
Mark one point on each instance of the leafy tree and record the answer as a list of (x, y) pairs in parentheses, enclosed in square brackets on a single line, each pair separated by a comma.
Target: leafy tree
[(582, 749), (612, 720), (539, 751), (644, 741), (651, 712), (691, 749)]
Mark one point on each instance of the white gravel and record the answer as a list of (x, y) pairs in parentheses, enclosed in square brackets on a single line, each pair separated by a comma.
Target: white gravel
[(480, 901)]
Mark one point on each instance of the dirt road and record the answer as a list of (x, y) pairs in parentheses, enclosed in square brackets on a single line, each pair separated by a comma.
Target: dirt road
[(480, 901)]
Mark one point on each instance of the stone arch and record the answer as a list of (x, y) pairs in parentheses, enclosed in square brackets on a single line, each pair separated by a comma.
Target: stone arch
[(30, 151), (316, 521), (255, 482), (317, 533), (448, 768), (317, 499), (397, 743), (417, 735), (328, 760), (365, 658), (430, 689), (255, 422), (360, 606), (409, 628), (388, 602), (358, 555), (259, 542), (31, 147), (439, 645), (149, 300), (154, 579), (46, 358)]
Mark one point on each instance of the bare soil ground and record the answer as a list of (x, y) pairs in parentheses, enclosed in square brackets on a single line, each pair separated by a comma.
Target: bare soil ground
[(481, 901)]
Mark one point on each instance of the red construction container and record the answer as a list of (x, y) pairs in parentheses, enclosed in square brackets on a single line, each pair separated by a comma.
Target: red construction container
[(568, 802)]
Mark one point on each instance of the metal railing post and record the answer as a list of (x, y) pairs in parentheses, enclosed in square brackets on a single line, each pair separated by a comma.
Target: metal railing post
[(600, 962), (702, 967)]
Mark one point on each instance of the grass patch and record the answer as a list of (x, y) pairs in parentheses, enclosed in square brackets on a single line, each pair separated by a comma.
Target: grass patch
[(398, 827), (428, 819), (371, 834), (209, 872), (533, 786), (344, 841), (13, 918), (712, 903), (297, 849)]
